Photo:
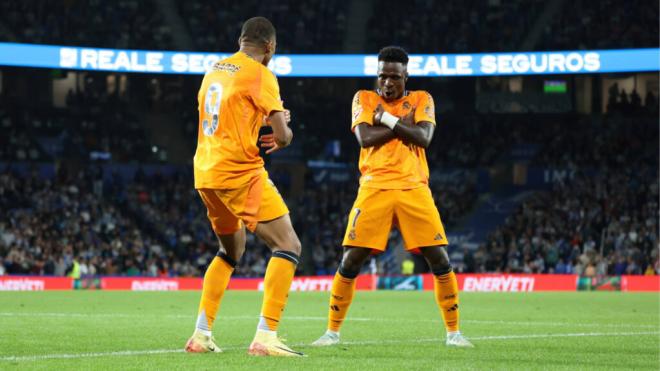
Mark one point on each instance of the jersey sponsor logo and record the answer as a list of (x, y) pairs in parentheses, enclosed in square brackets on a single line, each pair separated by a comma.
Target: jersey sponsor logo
[(499, 283)]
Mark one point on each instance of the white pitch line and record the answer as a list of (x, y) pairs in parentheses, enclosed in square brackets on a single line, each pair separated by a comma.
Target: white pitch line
[(305, 345), (503, 337), (89, 355), (558, 324), (88, 315), (318, 318)]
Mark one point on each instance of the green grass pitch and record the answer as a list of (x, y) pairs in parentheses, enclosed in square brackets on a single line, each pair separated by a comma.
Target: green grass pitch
[(385, 330)]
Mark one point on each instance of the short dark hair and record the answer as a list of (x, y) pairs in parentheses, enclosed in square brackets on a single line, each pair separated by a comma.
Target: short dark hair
[(393, 54), (258, 29)]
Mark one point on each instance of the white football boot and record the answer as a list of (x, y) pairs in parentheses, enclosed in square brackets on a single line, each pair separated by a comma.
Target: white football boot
[(327, 339), (457, 340)]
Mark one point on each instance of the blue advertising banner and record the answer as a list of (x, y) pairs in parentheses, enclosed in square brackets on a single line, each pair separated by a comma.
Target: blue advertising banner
[(335, 65)]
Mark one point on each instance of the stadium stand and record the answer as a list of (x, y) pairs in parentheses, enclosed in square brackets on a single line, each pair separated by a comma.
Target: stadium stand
[(123, 24), (302, 27), (606, 24), (602, 219), (164, 217), (459, 26), (594, 225)]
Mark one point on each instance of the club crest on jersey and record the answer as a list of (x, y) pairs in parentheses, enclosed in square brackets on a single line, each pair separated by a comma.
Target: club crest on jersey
[(351, 235), (438, 237), (406, 105)]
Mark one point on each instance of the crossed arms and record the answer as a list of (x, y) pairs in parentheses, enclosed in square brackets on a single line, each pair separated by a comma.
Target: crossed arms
[(377, 134)]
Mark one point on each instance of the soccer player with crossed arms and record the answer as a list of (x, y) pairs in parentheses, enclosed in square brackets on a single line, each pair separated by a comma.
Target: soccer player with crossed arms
[(394, 126), (238, 94)]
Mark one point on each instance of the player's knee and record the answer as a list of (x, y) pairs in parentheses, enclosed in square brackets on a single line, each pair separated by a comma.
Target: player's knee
[(351, 265), (350, 269), (289, 244), (440, 264), (231, 258), (287, 241), (296, 246), (442, 269), (293, 243), (437, 259)]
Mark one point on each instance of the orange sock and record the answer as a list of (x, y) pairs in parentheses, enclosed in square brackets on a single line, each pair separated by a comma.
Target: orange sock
[(446, 295), (216, 279), (341, 297), (277, 282)]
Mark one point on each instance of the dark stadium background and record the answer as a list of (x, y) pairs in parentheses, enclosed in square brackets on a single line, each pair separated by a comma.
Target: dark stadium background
[(95, 168)]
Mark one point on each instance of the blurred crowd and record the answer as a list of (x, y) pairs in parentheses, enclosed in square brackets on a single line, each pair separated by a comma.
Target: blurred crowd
[(152, 225), (605, 24), (49, 224), (425, 26), (128, 24), (619, 101), (302, 27), (421, 26), (92, 124), (604, 224), (609, 143), (602, 219)]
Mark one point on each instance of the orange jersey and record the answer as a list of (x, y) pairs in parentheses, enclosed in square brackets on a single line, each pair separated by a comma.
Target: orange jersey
[(395, 164), (234, 97)]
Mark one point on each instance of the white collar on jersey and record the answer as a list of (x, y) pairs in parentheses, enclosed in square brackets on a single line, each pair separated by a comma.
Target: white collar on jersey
[(405, 93)]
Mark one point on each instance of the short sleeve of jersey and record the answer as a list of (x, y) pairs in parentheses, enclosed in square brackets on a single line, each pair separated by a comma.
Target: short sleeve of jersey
[(361, 112), (267, 94), (425, 108)]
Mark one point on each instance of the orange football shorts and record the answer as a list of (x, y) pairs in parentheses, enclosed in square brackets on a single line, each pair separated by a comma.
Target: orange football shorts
[(258, 201), (412, 211)]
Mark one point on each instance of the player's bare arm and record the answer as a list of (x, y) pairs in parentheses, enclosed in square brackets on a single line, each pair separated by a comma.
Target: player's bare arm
[(419, 134), (287, 117), (373, 135), (282, 134)]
